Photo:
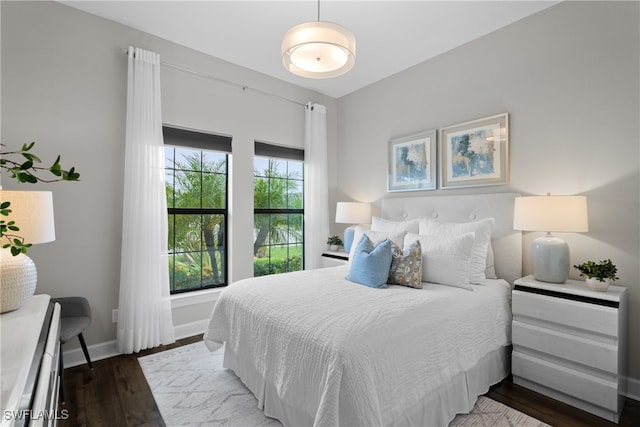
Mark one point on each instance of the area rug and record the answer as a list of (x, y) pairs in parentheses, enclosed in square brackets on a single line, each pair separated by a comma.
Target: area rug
[(191, 388)]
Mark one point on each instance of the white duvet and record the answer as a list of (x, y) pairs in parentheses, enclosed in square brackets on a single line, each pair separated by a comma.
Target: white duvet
[(319, 350)]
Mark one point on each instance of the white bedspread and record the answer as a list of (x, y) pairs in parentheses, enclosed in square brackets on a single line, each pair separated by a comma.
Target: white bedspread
[(339, 353)]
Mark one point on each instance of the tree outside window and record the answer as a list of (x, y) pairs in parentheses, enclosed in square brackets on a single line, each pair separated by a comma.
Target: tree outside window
[(196, 188), (278, 215)]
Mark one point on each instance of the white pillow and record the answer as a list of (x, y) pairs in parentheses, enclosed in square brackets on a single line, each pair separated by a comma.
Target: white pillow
[(482, 229), (381, 224), (445, 260), (490, 271), (375, 237)]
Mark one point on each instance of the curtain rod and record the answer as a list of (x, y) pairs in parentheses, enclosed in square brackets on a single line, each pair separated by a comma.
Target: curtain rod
[(244, 88)]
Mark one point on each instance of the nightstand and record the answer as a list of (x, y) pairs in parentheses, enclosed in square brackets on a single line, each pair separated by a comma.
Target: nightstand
[(569, 343), (333, 259)]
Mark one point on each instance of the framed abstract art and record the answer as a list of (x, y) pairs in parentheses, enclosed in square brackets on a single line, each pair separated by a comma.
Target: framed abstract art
[(475, 153), (413, 162)]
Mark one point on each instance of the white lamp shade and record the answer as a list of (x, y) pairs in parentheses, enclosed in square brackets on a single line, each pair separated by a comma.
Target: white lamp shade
[(318, 50), (353, 213), (551, 213), (32, 212)]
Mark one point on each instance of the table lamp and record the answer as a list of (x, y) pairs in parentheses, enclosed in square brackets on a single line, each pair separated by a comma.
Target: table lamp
[(352, 213), (550, 254), (32, 212)]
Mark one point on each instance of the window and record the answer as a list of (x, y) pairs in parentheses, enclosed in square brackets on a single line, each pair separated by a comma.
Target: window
[(196, 187), (278, 219)]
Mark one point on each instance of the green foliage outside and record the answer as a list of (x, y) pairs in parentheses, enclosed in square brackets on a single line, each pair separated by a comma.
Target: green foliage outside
[(197, 179), (278, 238)]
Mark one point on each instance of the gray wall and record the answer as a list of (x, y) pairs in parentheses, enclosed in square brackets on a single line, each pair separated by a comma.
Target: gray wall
[(568, 77), (64, 86)]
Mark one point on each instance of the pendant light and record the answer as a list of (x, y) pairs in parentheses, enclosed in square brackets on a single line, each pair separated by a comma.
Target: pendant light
[(319, 49)]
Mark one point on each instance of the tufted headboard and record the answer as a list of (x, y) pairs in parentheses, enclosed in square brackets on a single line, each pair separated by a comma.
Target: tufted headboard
[(506, 242)]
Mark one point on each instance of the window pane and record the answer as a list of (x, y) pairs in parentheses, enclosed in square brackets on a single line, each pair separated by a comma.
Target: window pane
[(214, 187), (296, 234), (295, 169), (187, 233), (277, 193), (214, 161), (168, 156), (168, 183), (188, 269), (172, 235), (261, 225), (260, 193), (294, 198), (213, 228), (188, 189), (260, 166), (188, 159)]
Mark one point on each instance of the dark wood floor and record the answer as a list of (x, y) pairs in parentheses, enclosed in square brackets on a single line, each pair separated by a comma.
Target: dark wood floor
[(115, 393)]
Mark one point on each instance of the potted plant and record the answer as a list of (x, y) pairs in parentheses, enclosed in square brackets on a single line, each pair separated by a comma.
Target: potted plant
[(598, 275), (18, 274), (334, 242)]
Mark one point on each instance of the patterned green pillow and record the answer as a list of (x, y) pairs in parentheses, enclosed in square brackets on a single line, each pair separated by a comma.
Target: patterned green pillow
[(406, 266)]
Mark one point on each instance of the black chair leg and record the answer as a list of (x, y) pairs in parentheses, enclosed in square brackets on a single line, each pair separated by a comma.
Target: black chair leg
[(84, 350), (61, 373)]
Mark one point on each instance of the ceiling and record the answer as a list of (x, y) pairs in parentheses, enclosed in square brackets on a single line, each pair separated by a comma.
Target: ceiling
[(390, 35)]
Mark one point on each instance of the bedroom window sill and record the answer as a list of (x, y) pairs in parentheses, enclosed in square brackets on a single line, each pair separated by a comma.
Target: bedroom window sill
[(196, 297)]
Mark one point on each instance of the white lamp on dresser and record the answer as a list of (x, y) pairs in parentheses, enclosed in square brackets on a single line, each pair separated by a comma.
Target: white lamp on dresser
[(352, 213), (550, 254), (32, 212)]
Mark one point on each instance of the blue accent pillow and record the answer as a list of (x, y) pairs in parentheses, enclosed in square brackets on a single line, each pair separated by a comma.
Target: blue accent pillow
[(370, 265)]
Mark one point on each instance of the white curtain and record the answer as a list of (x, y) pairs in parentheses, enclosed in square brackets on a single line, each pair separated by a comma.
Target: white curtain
[(144, 315), (316, 193)]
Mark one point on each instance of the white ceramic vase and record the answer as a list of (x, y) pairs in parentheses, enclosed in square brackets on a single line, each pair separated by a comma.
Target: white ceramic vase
[(596, 285), (18, 278)]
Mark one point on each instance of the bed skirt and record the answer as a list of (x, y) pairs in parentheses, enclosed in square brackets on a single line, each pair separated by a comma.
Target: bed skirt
[(438, 408)]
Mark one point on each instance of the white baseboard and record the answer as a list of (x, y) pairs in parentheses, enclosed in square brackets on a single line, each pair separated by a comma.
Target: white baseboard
[(75, 356), (190, 329), (633, 389)]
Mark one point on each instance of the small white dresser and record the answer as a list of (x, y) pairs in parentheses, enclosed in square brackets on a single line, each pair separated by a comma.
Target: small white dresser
[(569, 343), (29, 364)]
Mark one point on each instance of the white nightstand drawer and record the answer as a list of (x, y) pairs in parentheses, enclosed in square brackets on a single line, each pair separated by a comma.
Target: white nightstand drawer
[(555, 344), (569, 313), (594, 390)]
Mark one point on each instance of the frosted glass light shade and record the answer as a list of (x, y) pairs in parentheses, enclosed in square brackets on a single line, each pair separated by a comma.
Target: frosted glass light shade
[(318, 50), (33, 213), (353, 213)]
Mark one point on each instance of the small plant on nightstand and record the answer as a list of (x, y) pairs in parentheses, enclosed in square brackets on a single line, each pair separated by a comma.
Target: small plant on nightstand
[(334, 242), (598, 275)]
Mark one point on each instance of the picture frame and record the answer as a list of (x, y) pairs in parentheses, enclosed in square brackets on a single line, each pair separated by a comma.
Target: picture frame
[(413, 162), (475, 153)]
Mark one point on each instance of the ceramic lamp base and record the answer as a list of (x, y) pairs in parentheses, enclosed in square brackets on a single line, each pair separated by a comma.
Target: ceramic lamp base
[(550, 259), (18, 278), (348, 237)]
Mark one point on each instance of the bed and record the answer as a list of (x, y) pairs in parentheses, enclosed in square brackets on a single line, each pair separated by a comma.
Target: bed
[(318, 349)]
